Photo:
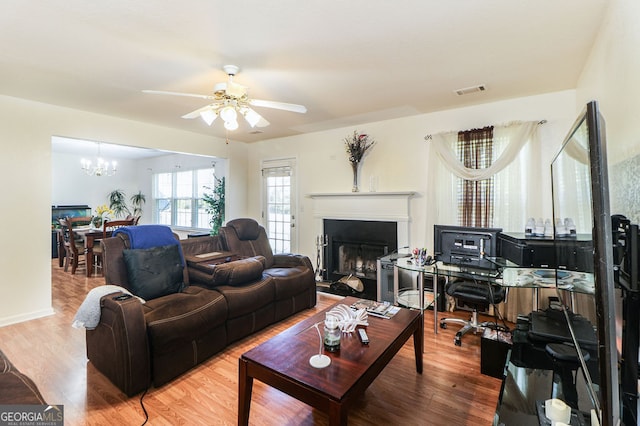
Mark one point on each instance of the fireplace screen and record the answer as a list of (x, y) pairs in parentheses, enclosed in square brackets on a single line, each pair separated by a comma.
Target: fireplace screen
[(358, 259), (352, 247)]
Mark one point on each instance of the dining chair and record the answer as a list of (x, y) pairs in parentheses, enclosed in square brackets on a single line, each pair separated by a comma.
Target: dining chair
[(73, 243), (134, 218), (108, 227), (111, 225)]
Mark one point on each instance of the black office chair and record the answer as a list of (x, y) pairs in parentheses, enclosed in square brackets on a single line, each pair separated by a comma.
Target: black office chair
[(477, 295)]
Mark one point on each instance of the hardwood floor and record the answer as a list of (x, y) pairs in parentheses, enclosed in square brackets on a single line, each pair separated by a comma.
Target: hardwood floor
[(451, 391)]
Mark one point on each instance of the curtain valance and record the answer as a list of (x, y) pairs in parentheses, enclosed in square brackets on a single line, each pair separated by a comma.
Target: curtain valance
[(517, 134)]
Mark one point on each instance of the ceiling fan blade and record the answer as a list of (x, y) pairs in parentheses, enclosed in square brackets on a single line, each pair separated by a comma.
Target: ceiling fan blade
[(196, 113), (278, 105), (189, 95)]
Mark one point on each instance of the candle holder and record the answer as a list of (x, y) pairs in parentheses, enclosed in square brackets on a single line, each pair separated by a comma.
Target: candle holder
[(320, 360)]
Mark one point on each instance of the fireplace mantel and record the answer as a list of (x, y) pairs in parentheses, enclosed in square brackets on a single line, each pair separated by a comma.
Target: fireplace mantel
[(381, 206), (407, 194), (363, 205)]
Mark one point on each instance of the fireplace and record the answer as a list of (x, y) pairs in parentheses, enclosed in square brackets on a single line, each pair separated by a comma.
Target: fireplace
[(353, 229), (353, 247)]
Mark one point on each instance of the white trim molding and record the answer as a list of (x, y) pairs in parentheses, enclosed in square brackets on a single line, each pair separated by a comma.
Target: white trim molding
[(376, 206)]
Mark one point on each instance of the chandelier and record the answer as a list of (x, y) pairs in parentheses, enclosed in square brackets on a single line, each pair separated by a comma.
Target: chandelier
[(101, 168)]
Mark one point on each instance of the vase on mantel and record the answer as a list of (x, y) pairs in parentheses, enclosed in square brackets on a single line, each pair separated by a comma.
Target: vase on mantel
[(356, 175)]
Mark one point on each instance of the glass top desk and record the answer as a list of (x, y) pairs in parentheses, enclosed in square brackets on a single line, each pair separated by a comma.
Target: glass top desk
[(507, 274), (415, 299)]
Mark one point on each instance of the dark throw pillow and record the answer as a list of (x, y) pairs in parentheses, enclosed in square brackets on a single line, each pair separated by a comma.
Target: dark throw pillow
[(155, 271)]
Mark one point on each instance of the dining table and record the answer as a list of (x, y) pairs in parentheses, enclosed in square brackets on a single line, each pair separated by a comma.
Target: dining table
[(91, 236)]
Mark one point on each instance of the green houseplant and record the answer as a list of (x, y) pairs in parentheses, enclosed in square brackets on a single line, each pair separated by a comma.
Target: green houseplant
[(215, 204), (118, 203), (137, 201)]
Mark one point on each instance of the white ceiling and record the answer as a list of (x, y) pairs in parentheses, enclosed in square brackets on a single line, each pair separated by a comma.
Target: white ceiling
[(110, 152), (349, 62)]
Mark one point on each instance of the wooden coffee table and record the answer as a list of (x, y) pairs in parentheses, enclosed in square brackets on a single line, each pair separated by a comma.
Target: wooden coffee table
[(283, 362)]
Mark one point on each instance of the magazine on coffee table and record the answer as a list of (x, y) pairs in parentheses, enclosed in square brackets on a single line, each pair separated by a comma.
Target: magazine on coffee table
[(377, 309)]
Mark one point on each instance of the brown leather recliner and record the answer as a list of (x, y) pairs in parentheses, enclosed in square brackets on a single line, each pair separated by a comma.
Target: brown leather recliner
[(293, 274)]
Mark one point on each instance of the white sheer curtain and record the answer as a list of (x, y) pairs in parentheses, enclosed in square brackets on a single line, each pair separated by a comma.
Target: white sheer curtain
[(516, 169)]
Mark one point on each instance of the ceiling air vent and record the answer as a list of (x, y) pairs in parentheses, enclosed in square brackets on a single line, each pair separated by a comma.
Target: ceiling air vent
[(473, 89)]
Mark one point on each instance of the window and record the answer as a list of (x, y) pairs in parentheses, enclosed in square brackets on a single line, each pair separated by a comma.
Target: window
[(278, 178), (177, 197)]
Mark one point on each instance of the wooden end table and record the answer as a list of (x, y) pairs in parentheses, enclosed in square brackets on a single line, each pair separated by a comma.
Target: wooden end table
[(283, 362)]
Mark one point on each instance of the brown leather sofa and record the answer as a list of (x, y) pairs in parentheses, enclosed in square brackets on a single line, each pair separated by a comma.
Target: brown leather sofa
[(15, 387), (136, 345)]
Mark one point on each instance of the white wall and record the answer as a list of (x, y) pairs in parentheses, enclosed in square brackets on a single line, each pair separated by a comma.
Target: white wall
[(70, 185), (25, 171), (399, 160), (612, 77)]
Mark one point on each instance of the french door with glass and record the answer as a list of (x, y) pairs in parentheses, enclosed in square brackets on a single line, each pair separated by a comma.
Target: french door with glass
[(279, 206)]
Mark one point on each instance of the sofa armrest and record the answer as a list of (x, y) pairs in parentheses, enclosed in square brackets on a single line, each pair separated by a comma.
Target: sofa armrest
[(16, 387), (238, 271), (118, 347), (288, 260)]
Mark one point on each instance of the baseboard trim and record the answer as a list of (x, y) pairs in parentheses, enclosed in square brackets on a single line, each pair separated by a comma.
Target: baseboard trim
[(26, 317)]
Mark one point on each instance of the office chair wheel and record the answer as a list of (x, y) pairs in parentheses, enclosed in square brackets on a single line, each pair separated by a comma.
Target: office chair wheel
[(443, 325), (457, 340)]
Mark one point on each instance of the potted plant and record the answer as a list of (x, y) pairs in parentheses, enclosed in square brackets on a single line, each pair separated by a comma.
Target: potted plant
[(137, 201), (102, 213), (215, 204), (118, 203)]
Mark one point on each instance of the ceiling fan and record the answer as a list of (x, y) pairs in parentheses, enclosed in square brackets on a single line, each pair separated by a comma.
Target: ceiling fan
[(230, 99)]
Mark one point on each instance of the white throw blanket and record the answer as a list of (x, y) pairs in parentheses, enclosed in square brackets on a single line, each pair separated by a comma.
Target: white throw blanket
[(88, 314)]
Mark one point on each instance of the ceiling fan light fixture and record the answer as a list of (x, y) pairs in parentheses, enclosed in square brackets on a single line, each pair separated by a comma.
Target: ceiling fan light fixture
[(228, 113), (231, 99), (231, 125), (209, 116), (235, 90), (251, 116)]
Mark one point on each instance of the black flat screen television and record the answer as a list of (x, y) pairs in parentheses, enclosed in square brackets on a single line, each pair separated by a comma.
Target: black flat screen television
[(580, 188), (465, 246)]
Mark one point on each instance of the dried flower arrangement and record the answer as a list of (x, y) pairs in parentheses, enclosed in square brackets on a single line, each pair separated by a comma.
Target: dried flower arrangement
[(357, 145)]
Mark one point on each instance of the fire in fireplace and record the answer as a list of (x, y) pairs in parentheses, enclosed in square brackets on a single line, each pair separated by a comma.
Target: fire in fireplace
[(353, 247), (359, 259)]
